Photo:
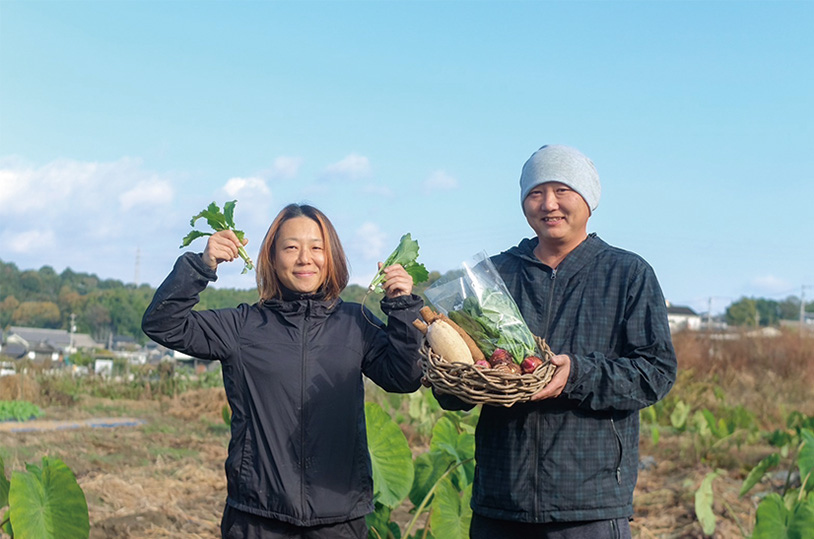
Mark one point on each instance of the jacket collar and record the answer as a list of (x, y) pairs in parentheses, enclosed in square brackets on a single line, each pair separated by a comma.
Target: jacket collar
[(573, 261), (293, 303)]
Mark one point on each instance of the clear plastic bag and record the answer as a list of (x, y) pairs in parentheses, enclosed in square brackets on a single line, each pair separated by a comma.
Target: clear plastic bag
[(476, 298)]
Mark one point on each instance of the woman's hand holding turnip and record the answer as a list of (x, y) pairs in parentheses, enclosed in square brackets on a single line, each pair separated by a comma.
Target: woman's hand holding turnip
[(397, 281), (222, 246)]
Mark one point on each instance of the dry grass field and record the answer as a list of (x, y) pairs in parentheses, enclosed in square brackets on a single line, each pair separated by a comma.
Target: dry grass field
[(164, 477)]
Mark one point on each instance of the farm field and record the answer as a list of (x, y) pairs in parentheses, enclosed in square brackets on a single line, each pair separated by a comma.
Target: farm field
[(164, 477)]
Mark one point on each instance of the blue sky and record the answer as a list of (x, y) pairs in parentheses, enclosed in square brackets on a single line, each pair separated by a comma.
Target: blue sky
[(119, 120)]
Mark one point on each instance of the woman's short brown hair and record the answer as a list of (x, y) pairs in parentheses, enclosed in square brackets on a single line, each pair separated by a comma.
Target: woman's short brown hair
[(336, 264)]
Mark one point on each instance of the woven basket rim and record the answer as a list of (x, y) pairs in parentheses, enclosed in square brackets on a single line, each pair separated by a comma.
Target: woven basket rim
[(486, 386)]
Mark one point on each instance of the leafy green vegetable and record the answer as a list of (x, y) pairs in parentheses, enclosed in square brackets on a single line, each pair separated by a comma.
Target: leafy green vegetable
[(18, 411), (218, 221), (493, 322), (405, 254)]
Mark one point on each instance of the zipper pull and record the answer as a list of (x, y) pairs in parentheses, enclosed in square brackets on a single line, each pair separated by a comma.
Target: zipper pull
[(553, 274), (619, 475)]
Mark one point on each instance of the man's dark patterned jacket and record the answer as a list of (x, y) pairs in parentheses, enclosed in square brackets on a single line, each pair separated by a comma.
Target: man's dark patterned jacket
[(574, 458)]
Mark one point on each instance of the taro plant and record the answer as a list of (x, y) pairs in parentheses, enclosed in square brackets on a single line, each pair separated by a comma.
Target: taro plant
[(788, 513), (438, 482), (784, 514), (44, 501), (712, 434)]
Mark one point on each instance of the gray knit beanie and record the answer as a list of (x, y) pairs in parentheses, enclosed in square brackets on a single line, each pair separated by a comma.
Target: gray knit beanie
[(557, 163)]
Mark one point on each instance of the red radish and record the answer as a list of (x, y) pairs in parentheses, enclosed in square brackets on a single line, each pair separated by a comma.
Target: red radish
[(530, 364), (482, 364), (500, 356)]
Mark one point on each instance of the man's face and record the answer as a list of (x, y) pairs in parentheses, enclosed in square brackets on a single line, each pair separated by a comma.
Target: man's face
[(558, 214)]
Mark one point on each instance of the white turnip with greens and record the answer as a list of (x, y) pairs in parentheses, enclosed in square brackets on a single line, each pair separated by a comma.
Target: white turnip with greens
[(405, 254), (218, 221)]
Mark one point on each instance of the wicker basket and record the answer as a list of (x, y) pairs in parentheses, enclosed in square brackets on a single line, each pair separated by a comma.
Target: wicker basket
[(486, 386)]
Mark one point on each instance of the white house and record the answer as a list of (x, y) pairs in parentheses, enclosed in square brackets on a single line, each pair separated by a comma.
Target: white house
[(682, 318)]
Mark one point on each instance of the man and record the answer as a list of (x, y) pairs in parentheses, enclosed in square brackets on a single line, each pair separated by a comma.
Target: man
[(565, 465)]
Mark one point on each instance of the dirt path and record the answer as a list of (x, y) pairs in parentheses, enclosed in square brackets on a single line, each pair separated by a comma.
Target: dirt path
[(39, 425)]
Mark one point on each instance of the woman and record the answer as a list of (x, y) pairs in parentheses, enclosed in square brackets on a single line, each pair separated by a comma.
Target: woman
[(298, 464)]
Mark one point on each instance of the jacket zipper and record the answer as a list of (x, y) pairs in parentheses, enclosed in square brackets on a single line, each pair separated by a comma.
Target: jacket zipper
[(539, 416), (304, 456), (619, 461), (550, 304)]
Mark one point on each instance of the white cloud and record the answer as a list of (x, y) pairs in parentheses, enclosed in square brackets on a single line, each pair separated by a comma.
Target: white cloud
[(148, 193), (440, 181), (27, 241), (352, 167), (369, 241), (236, 187), (12, 189), (284, 168), (378, 190), (64, 185), (85, 215)]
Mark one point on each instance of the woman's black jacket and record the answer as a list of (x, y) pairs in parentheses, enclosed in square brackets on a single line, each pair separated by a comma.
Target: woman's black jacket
[(293, 377)]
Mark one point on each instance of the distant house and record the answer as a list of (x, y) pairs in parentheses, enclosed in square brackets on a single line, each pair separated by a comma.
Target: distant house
[(682, 318), (40, 344)]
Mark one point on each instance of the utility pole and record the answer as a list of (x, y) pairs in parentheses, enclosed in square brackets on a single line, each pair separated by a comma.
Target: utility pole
[(136, 275), (73, 330)]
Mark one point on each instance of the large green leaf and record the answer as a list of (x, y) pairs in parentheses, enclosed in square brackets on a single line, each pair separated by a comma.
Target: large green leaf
[(758, 472), (4, 484), (805, 460), (429, 467), (390, 456), (379, 525), (49, 504), (703, 504), (451, 514), (678, 418), (772, 518), (801, 523), (6, 528), (458, 446)]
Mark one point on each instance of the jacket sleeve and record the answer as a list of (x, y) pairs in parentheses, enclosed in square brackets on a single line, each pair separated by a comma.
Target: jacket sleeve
[(392, 353), (646, 367), (451, 402), (170, 321)]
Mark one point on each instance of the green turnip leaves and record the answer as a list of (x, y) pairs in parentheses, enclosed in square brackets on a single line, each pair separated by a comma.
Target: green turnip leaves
[(218, 221), (405, 254)]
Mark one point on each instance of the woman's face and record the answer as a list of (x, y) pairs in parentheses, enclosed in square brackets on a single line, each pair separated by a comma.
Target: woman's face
[(299, 255)]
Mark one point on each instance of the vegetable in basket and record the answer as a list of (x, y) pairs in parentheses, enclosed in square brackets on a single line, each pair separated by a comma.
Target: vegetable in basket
[(447, 339), (498, 328)]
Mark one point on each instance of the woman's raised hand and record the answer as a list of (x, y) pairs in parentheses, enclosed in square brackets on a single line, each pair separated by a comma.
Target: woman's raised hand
[(397, 281), (221, 247)]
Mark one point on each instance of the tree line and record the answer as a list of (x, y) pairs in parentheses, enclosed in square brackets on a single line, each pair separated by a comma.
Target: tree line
[(763, 312), (108, 307)]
